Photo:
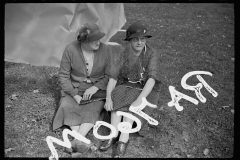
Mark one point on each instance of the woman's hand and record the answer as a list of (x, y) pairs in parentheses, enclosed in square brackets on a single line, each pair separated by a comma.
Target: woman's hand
[(77, 98), (108, 104), (89, 92)]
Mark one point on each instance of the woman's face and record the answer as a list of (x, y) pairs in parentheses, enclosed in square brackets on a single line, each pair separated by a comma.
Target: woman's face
[(92, 45), (138, 43)]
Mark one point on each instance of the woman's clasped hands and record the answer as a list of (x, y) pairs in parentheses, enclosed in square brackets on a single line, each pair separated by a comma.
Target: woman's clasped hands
[(86, 95)]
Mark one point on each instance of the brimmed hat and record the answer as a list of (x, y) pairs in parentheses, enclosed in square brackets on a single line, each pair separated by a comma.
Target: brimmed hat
[(137, 29), (89, 32)]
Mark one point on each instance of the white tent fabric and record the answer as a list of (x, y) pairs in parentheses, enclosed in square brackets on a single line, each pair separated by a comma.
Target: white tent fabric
[(37, 33)]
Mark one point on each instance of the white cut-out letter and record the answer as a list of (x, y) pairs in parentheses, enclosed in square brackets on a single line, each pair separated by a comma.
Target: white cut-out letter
[(198, 87), (65, 142), (126, 127), (98, 124), (212, 91), (176, 96), (138, 110)]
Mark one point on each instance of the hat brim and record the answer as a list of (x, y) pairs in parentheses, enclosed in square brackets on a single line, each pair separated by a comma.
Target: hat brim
[(96, 37), (137, 35)]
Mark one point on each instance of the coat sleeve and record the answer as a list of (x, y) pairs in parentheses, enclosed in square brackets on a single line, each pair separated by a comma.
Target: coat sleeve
[(64, 73), (112, 52), (116, 62), (153, 66)]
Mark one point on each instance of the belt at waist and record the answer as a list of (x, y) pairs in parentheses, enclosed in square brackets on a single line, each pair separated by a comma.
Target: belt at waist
[(87, 81), (133, 85)]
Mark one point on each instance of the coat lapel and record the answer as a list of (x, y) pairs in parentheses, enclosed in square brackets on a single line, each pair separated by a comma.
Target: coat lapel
[(83, 59), (95, 60)]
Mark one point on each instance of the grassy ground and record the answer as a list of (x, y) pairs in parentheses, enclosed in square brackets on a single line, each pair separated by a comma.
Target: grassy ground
[(189, 37)]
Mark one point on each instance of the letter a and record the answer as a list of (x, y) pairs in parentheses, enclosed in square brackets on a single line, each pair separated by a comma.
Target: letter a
[(176, 96)]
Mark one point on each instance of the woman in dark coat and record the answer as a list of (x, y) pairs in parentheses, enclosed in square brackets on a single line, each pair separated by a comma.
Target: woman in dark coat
[(84, 74), (135, 76)]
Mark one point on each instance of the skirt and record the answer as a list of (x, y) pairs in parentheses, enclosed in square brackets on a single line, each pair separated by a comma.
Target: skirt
[(123, 97), (72, 114)]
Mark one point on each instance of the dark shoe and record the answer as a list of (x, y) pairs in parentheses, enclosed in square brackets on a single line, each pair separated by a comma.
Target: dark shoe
[(73, 145), (82, 147), (105, 145), (68, 150), (121, 149)]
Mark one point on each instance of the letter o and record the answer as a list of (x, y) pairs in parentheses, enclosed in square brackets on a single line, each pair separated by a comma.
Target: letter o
[(98, 124)]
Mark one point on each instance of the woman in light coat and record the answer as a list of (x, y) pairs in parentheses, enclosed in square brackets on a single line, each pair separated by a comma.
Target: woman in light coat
[(83, 75)]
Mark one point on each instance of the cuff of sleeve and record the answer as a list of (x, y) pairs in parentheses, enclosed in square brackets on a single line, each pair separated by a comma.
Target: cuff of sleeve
[(115, 78), (155, 78), (74, 92), (99, 86)]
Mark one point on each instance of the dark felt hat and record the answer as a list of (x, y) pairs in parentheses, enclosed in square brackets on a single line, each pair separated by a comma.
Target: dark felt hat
[(137, 29), (89, 32)]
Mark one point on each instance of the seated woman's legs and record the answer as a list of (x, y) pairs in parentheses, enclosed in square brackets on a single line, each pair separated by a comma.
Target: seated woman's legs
[(83, 129), (125, 136), (115, 120), (123, 141), (80, 146), (75, 128)]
